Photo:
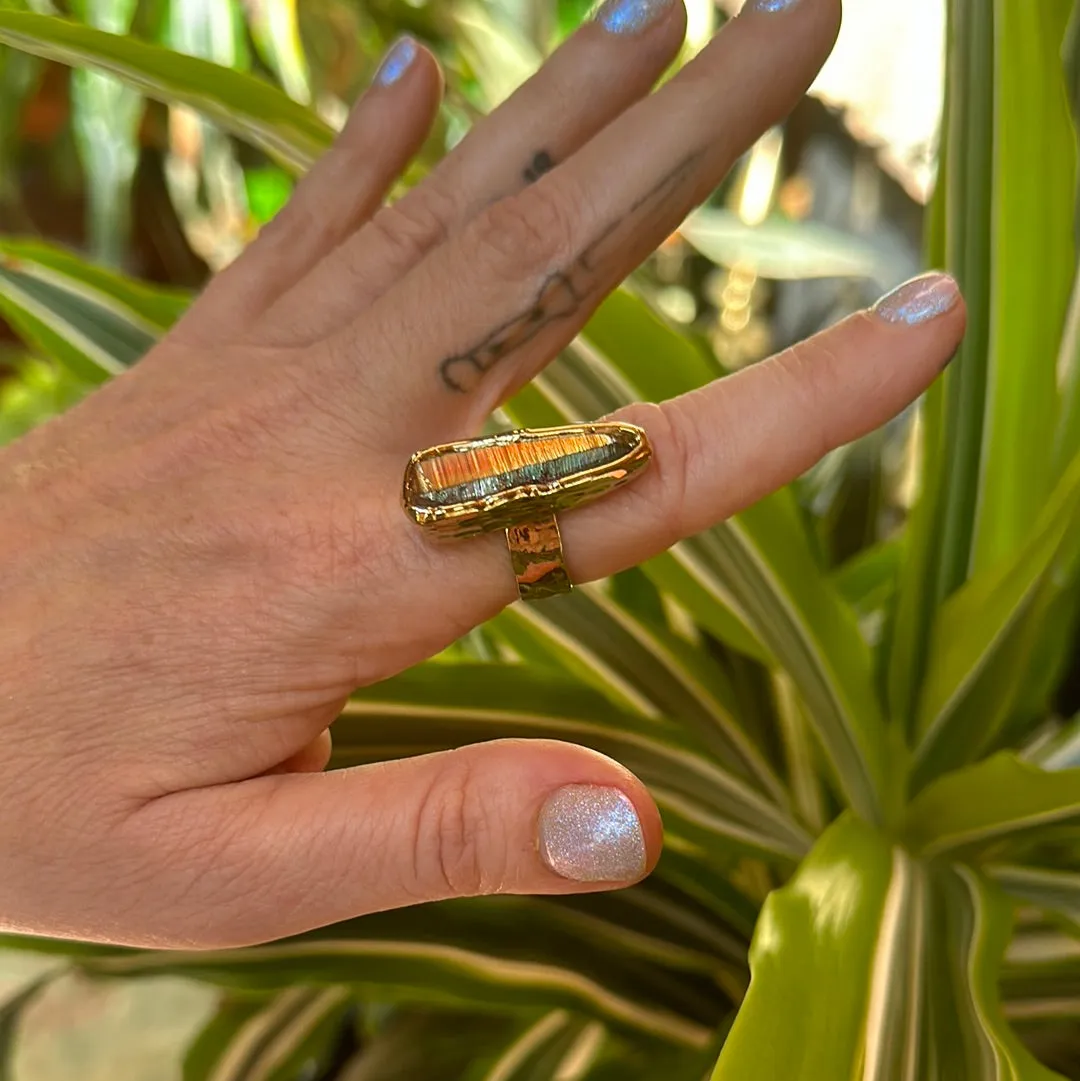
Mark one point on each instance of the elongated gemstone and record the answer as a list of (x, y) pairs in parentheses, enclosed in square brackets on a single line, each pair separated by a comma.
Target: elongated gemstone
[(471, 483)]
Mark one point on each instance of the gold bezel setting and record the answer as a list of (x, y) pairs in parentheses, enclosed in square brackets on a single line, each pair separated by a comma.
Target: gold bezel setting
[(524, 502)]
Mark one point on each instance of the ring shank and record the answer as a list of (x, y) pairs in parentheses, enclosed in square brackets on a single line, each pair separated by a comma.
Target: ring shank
[(536, 553)]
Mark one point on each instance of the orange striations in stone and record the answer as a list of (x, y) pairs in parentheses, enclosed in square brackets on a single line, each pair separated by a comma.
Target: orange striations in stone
[(450, 470)]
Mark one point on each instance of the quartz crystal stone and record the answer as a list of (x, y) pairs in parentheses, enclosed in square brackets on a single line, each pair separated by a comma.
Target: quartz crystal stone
[(486, 483)]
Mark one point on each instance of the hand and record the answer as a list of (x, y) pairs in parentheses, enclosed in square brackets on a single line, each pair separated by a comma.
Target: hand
[(201, 561)]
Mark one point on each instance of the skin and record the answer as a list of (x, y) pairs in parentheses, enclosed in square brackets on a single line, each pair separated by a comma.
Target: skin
[(201, 561)]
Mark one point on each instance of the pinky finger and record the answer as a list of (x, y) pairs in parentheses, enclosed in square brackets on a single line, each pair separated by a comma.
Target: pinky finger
[(343, 189)]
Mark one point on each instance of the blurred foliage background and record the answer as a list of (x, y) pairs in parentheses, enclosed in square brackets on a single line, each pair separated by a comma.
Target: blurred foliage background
[(815, 222)]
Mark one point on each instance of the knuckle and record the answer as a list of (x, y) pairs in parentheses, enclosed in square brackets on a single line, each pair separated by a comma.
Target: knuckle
[(453, 854), (413, 226), (525, 232), (676, 444), (810, 375)]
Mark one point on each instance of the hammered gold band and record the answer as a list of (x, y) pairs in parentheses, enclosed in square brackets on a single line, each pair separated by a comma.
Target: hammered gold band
[(536, 554), (518, 482)]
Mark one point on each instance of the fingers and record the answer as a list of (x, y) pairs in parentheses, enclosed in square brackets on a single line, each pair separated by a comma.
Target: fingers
[(602, 69), (720, 449), (487, 310), (310, 759), (507, 817), (343, 189)]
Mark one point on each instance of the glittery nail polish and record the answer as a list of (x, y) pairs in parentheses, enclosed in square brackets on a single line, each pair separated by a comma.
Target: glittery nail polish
[(591, 833), (919, 300), (770, 5), (630, 16), (396, 62)]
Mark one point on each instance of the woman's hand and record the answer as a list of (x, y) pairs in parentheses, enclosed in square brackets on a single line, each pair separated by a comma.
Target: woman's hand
[(205, 558)]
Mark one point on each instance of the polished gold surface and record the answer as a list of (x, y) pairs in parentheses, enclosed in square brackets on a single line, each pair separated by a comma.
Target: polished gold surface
[(517, 482), (481, 485), (536, 554)]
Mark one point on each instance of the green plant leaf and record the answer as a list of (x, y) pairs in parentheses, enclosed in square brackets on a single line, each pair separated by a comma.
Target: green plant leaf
[(983, 643), (832, 959), (642, 666), (11, 1014), (654, 356), (559, 1044), (501, 57), (1033, 265), (36, 392), (418, 970), (938, 538), (410, 714), (1041, 978), (785, 250), (995, 805), (93, 322), (867, 581), (275, 1040), (105, 117), (1050, 890), (875, 965), (431, 1045), (241, 104), (276, 33), (971, 923)]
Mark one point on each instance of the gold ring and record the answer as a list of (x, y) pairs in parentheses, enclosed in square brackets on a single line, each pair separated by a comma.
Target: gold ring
[(518, 482)]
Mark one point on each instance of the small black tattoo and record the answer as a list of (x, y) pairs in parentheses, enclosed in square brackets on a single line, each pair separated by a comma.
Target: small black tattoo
[(542, 163), (562, 292)]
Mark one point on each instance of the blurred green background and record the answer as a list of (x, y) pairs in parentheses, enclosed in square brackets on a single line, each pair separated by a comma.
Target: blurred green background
[(820, 218), (736, 630)]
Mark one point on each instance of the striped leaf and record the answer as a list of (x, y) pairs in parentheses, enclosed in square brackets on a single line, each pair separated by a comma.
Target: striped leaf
[(93, 322), (1034, 260), (760, 572), (877, 966), (276, 1040), (700, 800), (559, 1045), (661, 924), (241, 104), (984, 640), (413, 1044), (417, 971), (1050, 890), (105, 118), (968, 1034), (1002, 803), (835, 967), (642, 665), (1041, 977)]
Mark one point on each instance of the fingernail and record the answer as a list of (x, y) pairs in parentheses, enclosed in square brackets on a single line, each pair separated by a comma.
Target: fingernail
[(770, 5), (591, 833), (396, 62), (630, 16), (919, 301)]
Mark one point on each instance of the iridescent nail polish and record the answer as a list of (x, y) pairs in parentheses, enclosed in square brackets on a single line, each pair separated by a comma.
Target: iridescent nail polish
[(919, 300), (770, 5), (630, 16), (396, 62), (591, 833)]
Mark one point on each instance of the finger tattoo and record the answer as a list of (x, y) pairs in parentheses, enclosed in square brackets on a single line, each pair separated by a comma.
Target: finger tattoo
[(563, 291)]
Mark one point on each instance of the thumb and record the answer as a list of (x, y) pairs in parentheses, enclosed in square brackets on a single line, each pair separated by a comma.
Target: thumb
[(281, 854)]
